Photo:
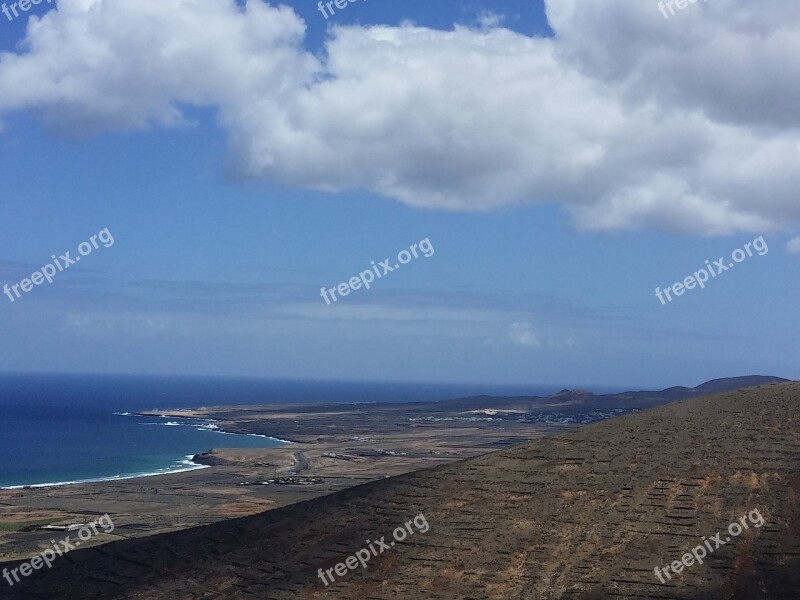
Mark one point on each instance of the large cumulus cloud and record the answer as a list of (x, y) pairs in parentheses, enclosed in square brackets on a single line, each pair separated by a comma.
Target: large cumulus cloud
[(627, 119)]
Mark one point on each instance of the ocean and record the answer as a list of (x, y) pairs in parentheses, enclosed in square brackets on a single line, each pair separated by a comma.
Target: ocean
[(58, 429)]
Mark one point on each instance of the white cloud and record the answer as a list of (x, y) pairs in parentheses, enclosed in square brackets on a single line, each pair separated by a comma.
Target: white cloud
[(627, 119), (522, 333), (94, 65), (793, 246), (490, 19), (567, 343)]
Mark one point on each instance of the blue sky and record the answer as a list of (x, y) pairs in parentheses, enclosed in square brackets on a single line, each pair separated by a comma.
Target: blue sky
[(217, 270)]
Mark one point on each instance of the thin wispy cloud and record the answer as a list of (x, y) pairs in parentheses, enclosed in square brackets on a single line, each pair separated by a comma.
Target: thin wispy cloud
[(522, 333)]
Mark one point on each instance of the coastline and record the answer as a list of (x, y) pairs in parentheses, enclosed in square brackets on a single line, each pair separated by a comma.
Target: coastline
[(202, 423), (190, 465), (184, 465), (331, 447)]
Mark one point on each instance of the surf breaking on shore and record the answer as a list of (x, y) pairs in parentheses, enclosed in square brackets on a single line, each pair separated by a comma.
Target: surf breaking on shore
[(202, 424), (184, 465)]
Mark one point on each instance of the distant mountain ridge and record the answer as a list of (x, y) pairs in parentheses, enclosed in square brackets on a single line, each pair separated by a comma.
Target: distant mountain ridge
[(646, 398)]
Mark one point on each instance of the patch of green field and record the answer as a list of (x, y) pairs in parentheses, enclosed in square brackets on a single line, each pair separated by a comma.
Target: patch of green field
[(17, 525)]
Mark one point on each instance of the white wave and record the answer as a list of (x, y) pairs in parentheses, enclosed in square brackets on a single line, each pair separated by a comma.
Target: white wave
[(258, 435), (213, 428), (186, 465), (209, 427)]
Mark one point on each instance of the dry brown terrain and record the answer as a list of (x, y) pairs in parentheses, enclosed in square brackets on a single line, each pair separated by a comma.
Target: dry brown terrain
[(583, 515), (338, 446), (234, 486)]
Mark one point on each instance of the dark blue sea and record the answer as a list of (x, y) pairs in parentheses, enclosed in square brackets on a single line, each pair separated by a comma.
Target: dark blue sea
[(71, 428)]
